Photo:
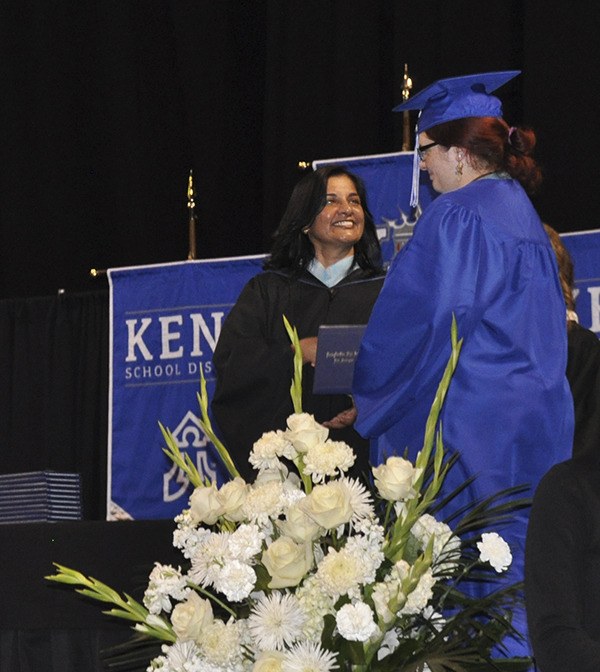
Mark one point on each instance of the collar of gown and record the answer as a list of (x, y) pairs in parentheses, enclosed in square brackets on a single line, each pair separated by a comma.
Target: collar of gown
[(331, 275)]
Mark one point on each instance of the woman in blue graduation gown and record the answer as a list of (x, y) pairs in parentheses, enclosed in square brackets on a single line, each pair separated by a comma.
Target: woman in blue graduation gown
[(479, 252)]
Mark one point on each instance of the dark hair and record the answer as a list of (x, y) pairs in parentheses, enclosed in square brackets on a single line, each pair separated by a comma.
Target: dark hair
[(566, 272), (292, 248), (492, 144)]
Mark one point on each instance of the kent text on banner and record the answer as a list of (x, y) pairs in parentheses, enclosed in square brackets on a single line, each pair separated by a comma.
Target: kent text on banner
[(388, 179), (165, 320)]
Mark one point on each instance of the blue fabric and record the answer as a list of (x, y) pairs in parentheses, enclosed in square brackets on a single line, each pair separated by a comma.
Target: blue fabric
[(333, 274), (481, 254), (457, 98), (165, 322)]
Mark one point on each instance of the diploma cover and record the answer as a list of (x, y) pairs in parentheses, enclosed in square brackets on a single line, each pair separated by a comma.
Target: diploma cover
[(337, 348)]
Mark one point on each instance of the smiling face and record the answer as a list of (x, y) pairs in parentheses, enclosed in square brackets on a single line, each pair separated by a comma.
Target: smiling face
[(341, 222)]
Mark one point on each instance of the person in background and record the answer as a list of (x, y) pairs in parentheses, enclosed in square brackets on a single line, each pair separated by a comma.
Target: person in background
[(479, 253), (583, 361), (325, 267), (562, 567), (564, 524)]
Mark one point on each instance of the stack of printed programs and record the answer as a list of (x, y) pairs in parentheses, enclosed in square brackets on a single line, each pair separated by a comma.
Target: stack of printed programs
[(38, 496)]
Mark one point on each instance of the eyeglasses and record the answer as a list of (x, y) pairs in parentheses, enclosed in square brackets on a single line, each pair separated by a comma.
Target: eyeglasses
[(421, 149)]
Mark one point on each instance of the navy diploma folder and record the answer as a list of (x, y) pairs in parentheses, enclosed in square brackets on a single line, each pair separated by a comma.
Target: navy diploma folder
[(337, 348)]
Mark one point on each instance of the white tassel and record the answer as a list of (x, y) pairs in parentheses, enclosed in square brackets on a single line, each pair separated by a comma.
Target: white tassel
[(414, 190)]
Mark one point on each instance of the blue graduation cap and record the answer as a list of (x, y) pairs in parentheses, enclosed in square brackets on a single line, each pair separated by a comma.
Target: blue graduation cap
[(454, 98), (458, 97)]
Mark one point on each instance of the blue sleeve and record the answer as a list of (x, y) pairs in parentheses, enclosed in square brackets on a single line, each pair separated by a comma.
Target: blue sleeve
[(407, 341)]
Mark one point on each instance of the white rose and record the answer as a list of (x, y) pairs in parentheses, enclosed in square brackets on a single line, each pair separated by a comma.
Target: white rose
[(299, 526), (493, 549), (232, 496), (305, 432), (329, 505), (395, 479), (287, 562), (189, 618), (205, 504)]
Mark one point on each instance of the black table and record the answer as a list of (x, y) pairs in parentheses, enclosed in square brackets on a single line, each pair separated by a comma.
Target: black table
[(48, 627)]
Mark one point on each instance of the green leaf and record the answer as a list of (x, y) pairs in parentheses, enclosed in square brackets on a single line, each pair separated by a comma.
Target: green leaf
[(296, 386)]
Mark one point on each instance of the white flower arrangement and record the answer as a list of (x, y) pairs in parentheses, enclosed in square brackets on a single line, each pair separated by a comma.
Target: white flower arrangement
[(306, 569)]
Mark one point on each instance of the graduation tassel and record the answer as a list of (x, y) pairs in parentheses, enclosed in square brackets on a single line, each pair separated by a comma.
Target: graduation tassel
[(414, 189)]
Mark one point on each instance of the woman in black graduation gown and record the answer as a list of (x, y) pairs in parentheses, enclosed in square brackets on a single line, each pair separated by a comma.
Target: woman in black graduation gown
[(324, 268)]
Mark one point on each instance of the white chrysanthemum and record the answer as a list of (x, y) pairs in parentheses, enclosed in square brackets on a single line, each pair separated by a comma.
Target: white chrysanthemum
[(165, 583), (245, 542), (180, 657), (309, 657), (276, 621), (269, 448), (236, 580), (264, 502), (329, 458), (315, 604), (341, 573), (446, 545), (355, 622), (493, 549), (369, 548), (361, 501), (221, 645), (210, 556)]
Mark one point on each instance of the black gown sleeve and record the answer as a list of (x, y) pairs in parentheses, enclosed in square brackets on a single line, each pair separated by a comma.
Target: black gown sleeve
[(254, 365)]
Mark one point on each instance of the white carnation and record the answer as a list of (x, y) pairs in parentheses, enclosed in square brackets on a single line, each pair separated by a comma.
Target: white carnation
[(355, 622), (493, 549), (236, 580), (269, 448), (165, 583)]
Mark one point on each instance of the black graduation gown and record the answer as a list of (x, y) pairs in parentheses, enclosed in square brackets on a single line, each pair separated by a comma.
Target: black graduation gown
[(583, 374), (254, 362), (562, 568)]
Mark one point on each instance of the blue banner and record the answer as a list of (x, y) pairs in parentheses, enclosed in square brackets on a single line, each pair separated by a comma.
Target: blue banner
[(584, 248), (388, 179), (164, 324)]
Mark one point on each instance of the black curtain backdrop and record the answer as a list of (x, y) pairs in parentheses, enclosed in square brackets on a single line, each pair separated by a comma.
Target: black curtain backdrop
[(107, 105), (54, 389)]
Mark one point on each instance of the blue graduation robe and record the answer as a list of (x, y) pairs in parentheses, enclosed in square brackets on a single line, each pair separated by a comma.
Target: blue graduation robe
[(479, 253)]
